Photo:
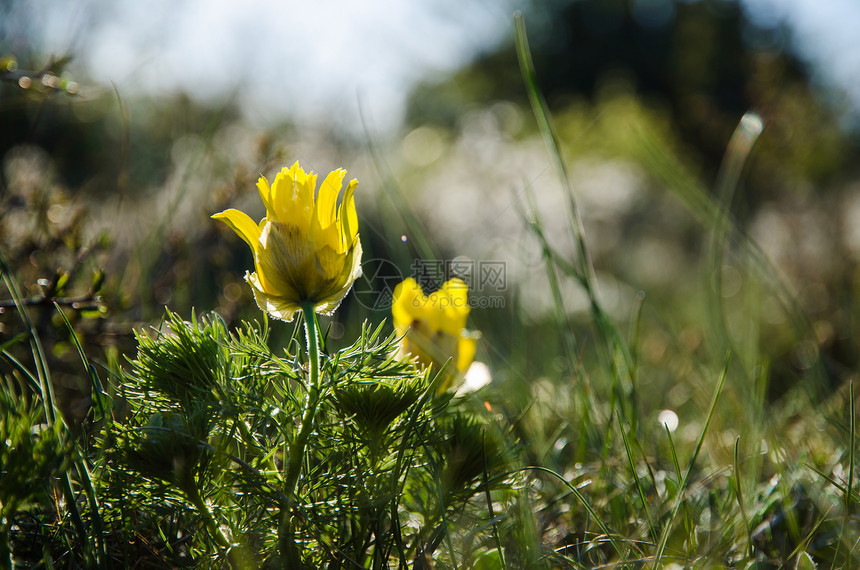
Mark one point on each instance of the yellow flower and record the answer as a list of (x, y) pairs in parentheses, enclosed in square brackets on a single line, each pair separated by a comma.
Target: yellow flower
[(306, 249), (434, 326)]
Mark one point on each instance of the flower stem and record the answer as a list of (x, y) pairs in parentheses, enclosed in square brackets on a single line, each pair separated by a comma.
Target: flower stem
[(289, 549), (213, 526)]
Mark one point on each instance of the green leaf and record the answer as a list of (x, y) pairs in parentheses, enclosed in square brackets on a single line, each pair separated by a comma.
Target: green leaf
[(804, 562)]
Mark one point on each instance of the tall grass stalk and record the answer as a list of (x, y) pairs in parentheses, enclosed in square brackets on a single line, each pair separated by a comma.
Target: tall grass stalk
[(661, 545), (93, 547), (613, 348)]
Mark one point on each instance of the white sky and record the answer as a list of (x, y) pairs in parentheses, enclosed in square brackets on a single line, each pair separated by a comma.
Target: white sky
[(316, 59), (312, 58), (826, 33)]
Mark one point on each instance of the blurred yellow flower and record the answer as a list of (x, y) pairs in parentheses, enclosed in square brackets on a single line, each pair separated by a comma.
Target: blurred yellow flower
[(433, 326), (306, 249)]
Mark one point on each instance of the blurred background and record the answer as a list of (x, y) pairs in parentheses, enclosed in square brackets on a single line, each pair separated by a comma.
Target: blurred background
[(124, 125)]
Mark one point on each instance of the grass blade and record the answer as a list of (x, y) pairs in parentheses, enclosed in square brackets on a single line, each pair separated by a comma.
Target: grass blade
[(740, 497), (852, 422), (661, 547), (550, 136), (607, 532), (638, 481)]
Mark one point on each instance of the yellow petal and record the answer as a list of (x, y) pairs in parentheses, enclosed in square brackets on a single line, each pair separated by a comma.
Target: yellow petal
[(324, 230), (298, 174), (455, 306), (406, 300), (327, 198), (265, 194), (243, 225), (292, 198), (340, 285), (348, 217), (355, 264), (431, 311), (308, 180), (278, 307), (285, 261), (332, 270), (328, 237), (465, 351)]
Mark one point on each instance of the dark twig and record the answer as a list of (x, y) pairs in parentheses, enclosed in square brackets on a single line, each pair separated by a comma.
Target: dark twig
[(80, 302)]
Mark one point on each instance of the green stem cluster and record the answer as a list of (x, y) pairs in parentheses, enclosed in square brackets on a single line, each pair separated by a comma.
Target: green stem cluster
[(200, 504)]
